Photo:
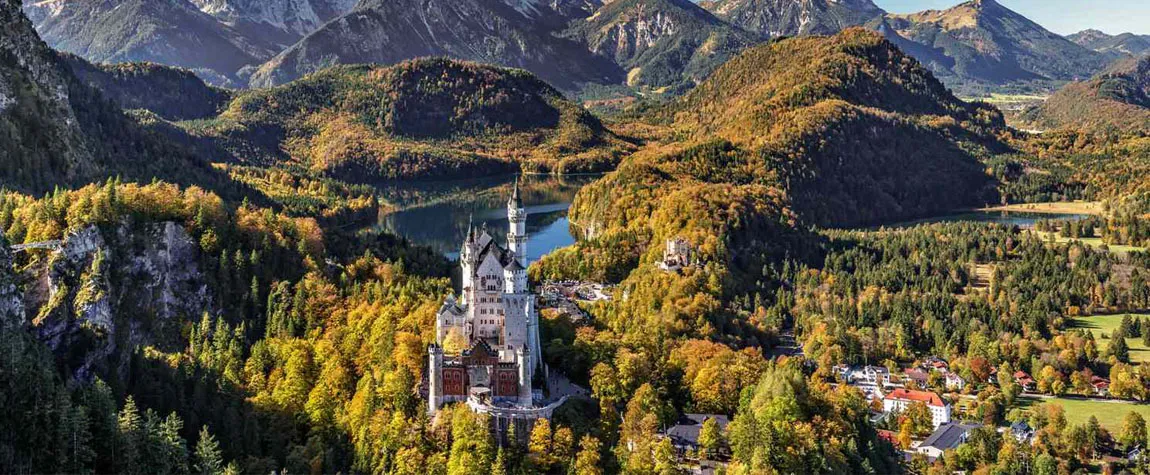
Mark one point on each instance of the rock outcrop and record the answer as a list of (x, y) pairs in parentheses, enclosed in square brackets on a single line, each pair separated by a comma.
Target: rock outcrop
[(103, 292)]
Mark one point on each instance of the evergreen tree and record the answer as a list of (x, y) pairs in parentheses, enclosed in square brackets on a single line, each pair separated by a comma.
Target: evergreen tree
[(132, 437), (1118, 347), (209, 458)]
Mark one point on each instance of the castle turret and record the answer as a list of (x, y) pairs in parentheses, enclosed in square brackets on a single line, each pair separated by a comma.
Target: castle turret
[(523, 356), (517, 236), (434, 378)]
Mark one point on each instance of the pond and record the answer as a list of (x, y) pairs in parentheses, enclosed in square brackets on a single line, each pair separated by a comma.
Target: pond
[(437, 214)]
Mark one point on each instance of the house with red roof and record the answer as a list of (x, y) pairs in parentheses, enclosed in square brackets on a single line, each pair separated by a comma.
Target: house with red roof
[(1023, 379), (900, 399), (1101, 385)]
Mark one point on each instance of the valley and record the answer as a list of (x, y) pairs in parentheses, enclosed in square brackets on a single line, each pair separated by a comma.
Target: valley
[(570, 236)]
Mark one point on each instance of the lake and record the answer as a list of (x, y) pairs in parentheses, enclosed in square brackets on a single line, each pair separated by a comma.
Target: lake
[(436, 214), (1009, 218)]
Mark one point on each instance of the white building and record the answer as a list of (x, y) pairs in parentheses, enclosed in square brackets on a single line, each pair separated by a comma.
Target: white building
[(954, 382), (900, 399)]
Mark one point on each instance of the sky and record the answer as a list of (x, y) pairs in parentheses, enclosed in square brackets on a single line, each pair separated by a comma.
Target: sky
[(1060, 16)]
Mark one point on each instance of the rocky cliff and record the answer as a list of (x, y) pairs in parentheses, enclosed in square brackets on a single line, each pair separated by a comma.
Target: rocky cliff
[(106, 290), (11, 292), (661, 42), (774, 18)]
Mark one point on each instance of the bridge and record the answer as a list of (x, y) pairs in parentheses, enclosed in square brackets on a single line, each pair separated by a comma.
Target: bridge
[(53, 245)]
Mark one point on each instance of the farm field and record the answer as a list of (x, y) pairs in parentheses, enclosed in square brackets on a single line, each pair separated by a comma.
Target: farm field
[(1106, 324), (1078, 411), (1069, 207), (1092, 242)]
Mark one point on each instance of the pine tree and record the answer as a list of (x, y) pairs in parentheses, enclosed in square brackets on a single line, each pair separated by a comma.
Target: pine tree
[(209, 459), (131, 438), (1118, 347), (499, 466)]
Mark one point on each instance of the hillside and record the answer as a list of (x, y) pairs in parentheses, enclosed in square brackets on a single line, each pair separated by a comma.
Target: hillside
[(829, 131), (1125, 44), (775, 18), (982, 43), (486, 31), (1117, 100), (171, 93), (661, 42), (859, 132), (418, 119), (171, 32), (57, 131)]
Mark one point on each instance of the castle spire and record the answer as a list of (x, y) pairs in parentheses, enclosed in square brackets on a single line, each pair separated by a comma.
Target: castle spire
[(515, 201)]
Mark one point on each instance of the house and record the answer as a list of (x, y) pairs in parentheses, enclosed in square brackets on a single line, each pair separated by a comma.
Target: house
[(889, 436), (1024, 380), (843, 371), (1101, 385), (918, 375), (900, 399), (1021, 431), (945, 437), (935, 363), (871, 391), (954, 382), (685, 433), (876, 375)]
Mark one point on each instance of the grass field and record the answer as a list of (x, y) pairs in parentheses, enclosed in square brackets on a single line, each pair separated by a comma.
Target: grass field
[(1078, 411), (1068, 207), (1107, 324), (1093, 242)]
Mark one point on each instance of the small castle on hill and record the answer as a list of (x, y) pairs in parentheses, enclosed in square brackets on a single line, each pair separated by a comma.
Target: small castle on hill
[(677, 255), (487, 339)]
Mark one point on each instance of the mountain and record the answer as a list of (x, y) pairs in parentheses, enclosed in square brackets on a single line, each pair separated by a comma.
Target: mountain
[(56, 130), (1120, 45), (171, 32), (283, 21), (1117, 100), (774, 18), (516, 33), (981, 42), (661, 42), (855, 130), (171, 93), (419, 119)]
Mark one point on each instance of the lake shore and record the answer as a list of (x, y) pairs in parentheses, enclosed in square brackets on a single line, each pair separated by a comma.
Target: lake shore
[(1070, 207)]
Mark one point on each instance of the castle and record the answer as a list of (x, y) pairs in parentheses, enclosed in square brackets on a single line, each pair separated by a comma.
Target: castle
[(487, 339)]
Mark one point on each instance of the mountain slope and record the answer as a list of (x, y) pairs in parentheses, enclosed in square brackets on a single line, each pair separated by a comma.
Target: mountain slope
[(1118, 100), (419, 119), (171, 32), (57, 131), (986, 43), (661, 42), (1118, 45), (171, 93), (488, 31), (774, 18), (288, 18), (858, 131)]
